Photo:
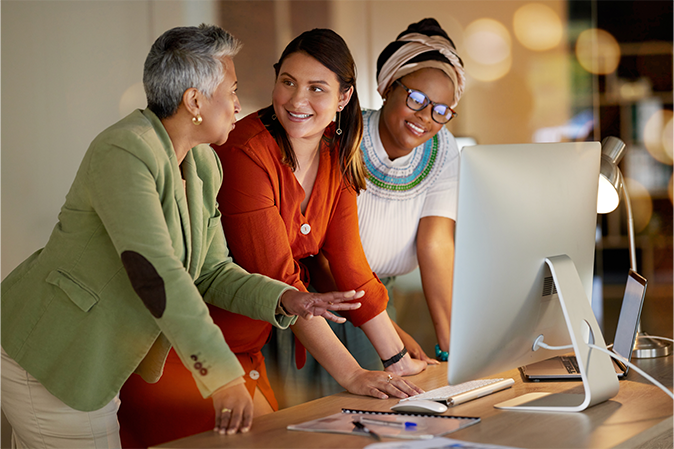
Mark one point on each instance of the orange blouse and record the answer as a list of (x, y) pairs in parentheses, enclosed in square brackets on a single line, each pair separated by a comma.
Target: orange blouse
[(267, 233)]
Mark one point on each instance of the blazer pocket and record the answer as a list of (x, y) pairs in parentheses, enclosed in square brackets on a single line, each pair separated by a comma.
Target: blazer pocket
[(81, 295), (214, 220)]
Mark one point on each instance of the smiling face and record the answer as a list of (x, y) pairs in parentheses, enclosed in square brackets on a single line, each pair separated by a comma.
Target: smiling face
[(306, 97), (219, 111), (402, 129)]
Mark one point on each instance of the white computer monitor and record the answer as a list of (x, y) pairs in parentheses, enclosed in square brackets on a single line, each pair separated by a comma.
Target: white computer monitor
[(464, 142), (523, 268)]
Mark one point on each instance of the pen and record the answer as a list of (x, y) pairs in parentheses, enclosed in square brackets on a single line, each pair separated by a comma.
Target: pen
[(407, 424), (360, 426)]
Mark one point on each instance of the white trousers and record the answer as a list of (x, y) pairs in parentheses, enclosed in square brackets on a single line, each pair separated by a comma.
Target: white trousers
[(41, 420)]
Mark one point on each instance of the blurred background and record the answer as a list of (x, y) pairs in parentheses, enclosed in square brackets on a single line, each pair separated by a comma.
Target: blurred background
[(542, 71)]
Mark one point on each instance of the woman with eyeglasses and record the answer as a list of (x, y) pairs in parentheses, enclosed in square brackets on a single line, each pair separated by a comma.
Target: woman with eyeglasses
[(408, 211)]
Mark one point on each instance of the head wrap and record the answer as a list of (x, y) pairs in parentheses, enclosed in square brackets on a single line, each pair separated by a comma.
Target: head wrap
[(423, 44)]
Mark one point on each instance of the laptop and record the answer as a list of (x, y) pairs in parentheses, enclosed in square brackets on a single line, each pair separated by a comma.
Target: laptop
[(566, 368)]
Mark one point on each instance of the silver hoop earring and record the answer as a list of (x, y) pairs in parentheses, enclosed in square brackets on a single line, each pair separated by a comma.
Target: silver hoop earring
[(273, 116), (338, 131)]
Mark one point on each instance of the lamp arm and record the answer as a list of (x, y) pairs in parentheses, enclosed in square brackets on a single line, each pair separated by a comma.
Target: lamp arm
[(630, 225), (644, 347)]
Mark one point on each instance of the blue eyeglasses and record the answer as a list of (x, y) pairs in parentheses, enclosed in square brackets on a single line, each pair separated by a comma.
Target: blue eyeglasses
[(417, 100)]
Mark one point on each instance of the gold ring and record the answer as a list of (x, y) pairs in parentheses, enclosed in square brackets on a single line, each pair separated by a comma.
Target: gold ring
[(226, 410), (390, 378), (329, 302)]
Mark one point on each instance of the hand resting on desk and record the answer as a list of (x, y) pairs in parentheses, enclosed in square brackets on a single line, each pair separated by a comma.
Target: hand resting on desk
[(233, 408), (323, 344), (380, 384)]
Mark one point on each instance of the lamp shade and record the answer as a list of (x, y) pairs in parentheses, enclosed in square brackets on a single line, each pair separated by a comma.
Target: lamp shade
[(610, 185), (610, 178)]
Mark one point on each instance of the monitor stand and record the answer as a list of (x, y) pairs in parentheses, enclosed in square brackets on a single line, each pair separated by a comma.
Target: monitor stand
[(596, 369)]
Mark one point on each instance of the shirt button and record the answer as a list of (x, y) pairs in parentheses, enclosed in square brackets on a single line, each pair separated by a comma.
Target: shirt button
[(254, 375), (305, 229)]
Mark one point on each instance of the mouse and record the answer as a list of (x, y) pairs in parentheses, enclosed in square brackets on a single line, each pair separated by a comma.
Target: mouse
[(420, 406)]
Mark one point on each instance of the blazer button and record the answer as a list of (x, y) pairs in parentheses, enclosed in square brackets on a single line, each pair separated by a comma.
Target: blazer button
[(254, 374), (305, 229)]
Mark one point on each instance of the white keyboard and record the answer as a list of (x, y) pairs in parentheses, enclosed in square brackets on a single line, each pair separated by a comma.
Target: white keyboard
[(455, 394)]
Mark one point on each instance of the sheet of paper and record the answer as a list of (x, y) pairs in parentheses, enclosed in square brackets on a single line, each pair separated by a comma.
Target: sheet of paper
[(435, 443)]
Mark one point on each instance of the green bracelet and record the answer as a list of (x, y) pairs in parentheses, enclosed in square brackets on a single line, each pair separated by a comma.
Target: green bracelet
[(441, 355)]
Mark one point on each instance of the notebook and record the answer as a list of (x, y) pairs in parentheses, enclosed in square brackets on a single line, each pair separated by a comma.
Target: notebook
[(566, 367), (386, 424)]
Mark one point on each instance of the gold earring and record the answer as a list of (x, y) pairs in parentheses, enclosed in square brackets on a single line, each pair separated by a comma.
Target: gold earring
[(197, 120), (339, 122)]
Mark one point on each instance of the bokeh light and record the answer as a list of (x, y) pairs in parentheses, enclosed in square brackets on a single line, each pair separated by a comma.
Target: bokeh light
[(657, 136), (598, 51), (537, 27), (670, 189), (642, 204), (668, 136), (488, 50), (487, 41)]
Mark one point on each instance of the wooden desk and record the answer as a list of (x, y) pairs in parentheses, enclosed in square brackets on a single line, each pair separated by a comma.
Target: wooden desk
[(640, 416)]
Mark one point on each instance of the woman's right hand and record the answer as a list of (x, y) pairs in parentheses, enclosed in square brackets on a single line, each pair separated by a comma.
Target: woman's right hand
[(233, 409), (380, 384), (307, 305)]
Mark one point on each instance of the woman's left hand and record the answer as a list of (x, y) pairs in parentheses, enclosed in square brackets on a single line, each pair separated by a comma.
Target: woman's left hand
[(307, 305), (380, 384), (233, 409)]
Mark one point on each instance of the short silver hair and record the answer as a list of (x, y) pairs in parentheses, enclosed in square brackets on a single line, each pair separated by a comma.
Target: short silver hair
[(182, 58)]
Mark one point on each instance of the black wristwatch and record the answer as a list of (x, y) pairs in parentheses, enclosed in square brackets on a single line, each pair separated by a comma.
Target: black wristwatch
[(396, 358)]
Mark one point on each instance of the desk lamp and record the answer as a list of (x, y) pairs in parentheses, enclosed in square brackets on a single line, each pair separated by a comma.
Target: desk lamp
[(611, 185)]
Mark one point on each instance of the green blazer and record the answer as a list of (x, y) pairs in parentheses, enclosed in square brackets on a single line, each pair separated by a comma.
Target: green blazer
[(126, 271)]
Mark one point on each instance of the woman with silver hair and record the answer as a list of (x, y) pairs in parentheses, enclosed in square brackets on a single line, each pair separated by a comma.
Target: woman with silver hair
[(137, 250), (407, 213)]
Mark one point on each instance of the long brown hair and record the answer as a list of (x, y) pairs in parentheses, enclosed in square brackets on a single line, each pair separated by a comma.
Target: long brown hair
[(328, 48)]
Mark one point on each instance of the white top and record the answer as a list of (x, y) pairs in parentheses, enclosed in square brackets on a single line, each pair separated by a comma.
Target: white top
[(401, 192)]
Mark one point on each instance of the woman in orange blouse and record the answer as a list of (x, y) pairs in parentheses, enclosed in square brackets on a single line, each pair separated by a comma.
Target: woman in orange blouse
[(279, 209), (292, 176)]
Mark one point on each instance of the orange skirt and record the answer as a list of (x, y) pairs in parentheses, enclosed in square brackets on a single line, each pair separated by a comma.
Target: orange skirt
[(172, 408)]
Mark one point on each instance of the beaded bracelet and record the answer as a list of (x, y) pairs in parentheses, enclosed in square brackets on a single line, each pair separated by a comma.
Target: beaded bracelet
[(396, 358), (441, 355)]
